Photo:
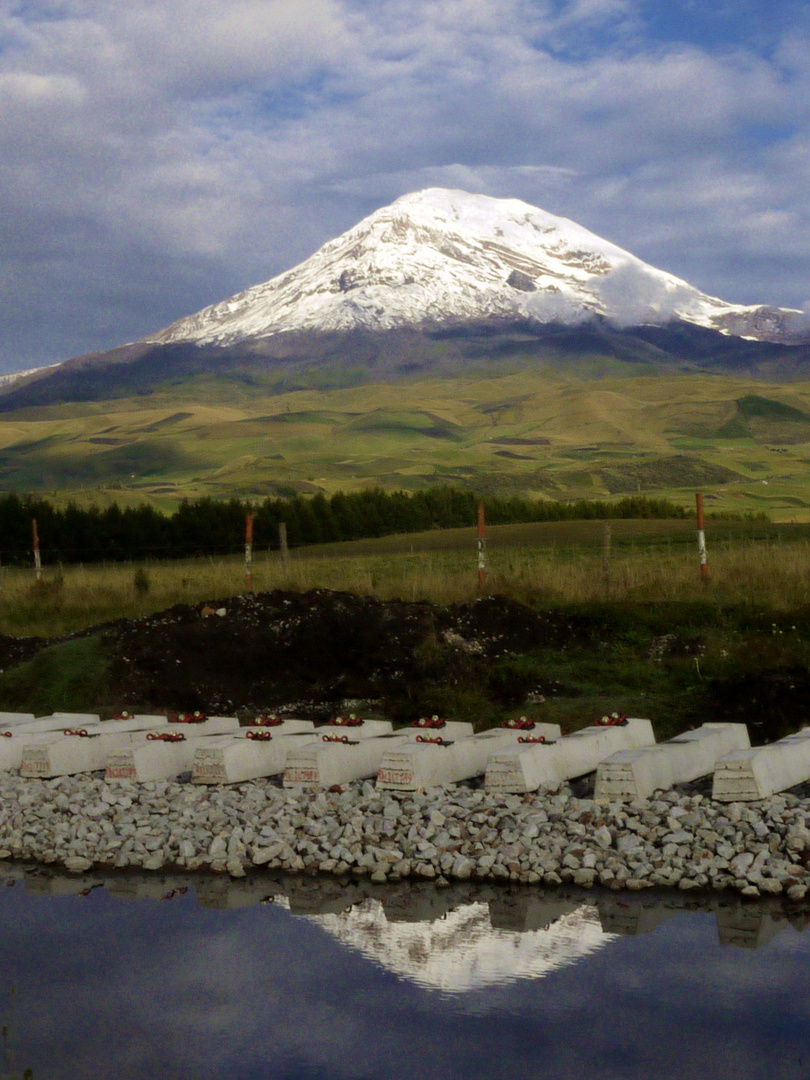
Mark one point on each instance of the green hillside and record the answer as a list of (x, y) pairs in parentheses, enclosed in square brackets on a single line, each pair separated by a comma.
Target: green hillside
[(744, 443)]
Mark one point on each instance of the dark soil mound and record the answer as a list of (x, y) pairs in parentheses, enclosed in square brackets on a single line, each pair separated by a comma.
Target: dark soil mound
[(316, 650)]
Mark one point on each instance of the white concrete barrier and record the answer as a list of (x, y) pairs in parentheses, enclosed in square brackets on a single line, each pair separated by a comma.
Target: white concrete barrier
[(72, 719), (85, 749), (9, 719), (163, 754), (745, 775), (337, 757), (431, 761), (247, 756), (15, 736), (358, 728), (533, 765), (636, 774), (58, 723), (12, 746)]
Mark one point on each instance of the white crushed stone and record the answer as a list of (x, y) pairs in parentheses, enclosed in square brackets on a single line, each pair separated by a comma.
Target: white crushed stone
[(456, 833)]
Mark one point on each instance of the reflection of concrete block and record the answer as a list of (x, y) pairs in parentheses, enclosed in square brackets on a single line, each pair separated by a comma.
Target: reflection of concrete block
[(323, 763), (321, 896), (58, 885), (429, 764), (146, 887), (636, 774), (530, 766), (528, 911), (621, 917), (229, 894), (764, 770), (748, 926), (411, 906), (77, 753), (234, 760)]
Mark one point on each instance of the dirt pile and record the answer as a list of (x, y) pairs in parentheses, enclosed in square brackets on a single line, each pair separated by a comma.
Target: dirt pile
[(317, 649)]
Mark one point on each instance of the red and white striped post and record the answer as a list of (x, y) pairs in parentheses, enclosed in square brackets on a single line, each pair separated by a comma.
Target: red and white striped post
[(701, 540), (37, 560), (482, 549), (248, 551)]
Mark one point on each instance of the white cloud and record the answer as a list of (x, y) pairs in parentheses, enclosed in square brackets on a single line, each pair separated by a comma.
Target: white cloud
[(234, 140), (634, 296)]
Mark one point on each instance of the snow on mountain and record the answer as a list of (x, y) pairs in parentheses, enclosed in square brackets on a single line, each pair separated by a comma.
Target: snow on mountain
[(462, 951), (439, 258), (15, 376)]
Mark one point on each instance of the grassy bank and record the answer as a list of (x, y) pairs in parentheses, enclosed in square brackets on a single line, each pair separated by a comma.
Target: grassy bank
[(543, 564)]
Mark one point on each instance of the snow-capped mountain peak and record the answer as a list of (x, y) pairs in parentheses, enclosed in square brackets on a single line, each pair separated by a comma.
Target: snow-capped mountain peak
[(440, 258)]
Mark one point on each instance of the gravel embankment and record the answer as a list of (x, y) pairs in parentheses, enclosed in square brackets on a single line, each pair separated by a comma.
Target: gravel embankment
[(673, 840)]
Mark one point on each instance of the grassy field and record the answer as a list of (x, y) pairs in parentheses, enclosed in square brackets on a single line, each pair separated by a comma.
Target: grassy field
[(745, 444), (544, 564)]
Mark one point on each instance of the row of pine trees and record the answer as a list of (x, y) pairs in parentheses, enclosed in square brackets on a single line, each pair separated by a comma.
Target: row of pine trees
[(212, 527)]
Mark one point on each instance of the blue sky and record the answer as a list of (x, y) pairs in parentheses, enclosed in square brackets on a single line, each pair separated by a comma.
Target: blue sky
[(156, 158)]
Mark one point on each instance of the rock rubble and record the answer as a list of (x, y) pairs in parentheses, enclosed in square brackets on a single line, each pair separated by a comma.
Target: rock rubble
[(672, 840)]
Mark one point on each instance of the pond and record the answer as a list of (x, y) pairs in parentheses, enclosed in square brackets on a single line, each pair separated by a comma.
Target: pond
[(302, 979)]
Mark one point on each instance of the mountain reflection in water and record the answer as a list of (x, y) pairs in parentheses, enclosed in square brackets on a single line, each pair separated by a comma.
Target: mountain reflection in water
[(319, 980)]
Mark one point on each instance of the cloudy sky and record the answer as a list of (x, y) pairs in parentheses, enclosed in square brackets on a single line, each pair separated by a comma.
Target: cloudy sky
[(156, 157)]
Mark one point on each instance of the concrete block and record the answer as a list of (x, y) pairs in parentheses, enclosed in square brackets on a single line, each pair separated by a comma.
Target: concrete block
[(12, 747), (357, 728), (327, 761), (530, 766), (745, 775), (212, 725), (289, 726), (247, 756), (158, 758), (85, 750), (75, 719), (447, 729), (14, 736), (9, 719), (636, 774), (58, 723), (430, 761)]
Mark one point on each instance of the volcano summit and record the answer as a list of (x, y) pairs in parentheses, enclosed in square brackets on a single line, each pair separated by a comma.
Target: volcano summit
[(437, 259)]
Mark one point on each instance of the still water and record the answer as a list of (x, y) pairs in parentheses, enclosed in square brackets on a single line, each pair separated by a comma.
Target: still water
[(147, 977)]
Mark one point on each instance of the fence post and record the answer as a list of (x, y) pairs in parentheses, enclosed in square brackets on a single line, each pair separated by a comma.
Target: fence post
[(482, 550), (282, 544), (701, 540), (37, 560), (606, 533), (249, 551)]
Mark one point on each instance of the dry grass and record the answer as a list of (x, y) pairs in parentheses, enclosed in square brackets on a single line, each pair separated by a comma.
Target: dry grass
[(764, 572)]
